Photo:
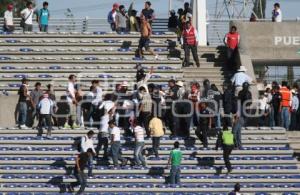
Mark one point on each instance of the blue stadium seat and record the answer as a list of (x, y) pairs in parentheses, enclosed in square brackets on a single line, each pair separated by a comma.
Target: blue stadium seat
[(124, 49), (8, 67), (12, 41), (109, 41), (26, 49), (164, 68), (4, 58), (99, 33), (91, 58), (160, 49), (45, 76), (105, 76), (157, 33)]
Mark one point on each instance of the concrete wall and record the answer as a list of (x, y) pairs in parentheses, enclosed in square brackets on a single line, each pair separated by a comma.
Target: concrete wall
[(7, 109), (270, 41)]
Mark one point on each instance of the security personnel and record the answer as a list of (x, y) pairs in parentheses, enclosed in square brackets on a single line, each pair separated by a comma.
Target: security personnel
[(227, 142), (285, 104), (190, 42)]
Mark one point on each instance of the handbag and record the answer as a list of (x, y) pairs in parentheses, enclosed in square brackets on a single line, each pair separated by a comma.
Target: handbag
[(23, 20)]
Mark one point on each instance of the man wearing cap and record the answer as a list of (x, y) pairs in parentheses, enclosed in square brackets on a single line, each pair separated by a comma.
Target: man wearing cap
[(111, 18), (294, 109), (8, 19), (45, 107), (239, 78), (190, 42)]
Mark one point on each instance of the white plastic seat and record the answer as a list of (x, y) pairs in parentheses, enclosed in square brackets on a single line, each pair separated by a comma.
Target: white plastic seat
[(97, 41), (36, 41)]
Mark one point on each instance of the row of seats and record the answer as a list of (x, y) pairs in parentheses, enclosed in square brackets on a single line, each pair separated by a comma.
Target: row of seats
[(248, 158), (110, 41), (47, 50), (102, 176), (153, 185), (83, 33), (184, 167), (147, 58), (71, 138), (60, 67), (90, 75), (28, 148), (142, 193)]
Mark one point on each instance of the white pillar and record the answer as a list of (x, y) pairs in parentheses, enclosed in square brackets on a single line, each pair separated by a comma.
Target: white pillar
[(199, 20), (170, 7)]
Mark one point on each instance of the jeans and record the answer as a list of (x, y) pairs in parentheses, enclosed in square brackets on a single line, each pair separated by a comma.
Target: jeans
[(47, 118), (103, 141), (78, 115), (90, 166), (236, 130), (27, 28), (217, 119), (44, 28), (271, 118), (81, 180), (187, 49), (285, 117), (175, 174), (231, 58), (22, 113), (115, 150), (121, 30), (227, 149), (138, 156), (155, 145)]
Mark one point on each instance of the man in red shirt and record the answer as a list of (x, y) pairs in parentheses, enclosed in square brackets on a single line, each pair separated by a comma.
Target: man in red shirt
[(190, 42), (232, 40)]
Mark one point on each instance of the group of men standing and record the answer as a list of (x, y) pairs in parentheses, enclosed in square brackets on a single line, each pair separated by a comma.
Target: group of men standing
[(27, 14)]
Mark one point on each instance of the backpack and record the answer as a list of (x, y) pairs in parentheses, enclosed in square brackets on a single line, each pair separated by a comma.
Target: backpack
[(77, 143)]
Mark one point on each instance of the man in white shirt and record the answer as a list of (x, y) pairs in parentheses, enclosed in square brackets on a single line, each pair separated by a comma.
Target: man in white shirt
[(276, 13), (139, 144), (294, 110), (88, 143), (71, 99), (27, 14), (116, 144), (45, 107), (239, 78), (8, 19), (103, 135)]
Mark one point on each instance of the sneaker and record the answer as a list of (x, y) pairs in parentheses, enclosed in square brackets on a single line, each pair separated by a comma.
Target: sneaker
[(24, 127), (67, 126)]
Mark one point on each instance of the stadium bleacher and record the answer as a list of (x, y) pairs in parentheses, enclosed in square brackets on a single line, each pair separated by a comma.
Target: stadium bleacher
[(38, 165)]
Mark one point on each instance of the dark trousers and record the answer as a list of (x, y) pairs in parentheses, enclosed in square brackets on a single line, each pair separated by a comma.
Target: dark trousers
[(231, 53), (144, 119), (47, 118), (155, 145), (293, 125), (113, 26), (187, 49), (276, 117), (169, 121), (201, 133), (81, 180), (227, 149), (102, 142)]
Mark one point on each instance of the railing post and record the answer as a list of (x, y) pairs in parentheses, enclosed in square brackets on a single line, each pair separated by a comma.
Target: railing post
[(85, 24)]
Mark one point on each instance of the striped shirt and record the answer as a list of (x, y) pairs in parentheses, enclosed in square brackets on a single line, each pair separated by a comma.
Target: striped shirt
[(139, 134)]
